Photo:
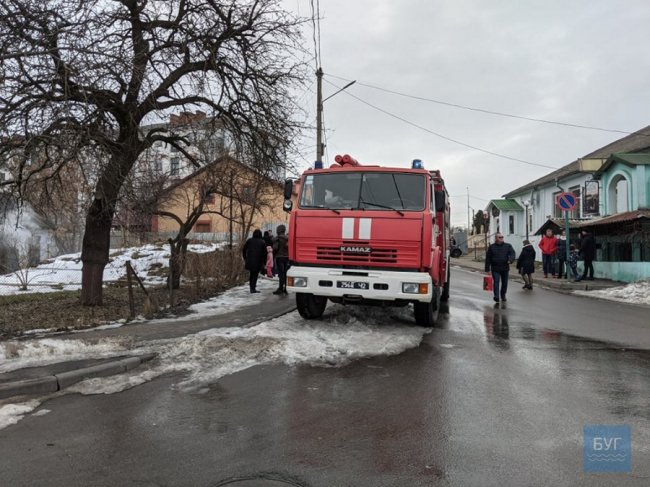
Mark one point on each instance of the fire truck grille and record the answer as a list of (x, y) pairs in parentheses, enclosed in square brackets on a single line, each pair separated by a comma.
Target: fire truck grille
[(376, 256)]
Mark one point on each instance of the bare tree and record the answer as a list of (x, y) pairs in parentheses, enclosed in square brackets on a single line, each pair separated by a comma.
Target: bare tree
[(227, 188), (95, 72)]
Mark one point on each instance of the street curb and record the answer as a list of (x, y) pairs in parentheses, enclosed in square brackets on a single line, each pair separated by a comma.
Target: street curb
[(269, 318), (538, 282), (57, 382)]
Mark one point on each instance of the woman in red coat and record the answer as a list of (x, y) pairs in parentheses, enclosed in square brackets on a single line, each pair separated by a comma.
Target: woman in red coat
[(548, 244)]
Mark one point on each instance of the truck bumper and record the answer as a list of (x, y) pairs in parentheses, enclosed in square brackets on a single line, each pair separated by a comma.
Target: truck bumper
[(359, 284)]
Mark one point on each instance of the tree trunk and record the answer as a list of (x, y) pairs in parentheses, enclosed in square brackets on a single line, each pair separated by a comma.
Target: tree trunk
[(94, 253), (177, 261)]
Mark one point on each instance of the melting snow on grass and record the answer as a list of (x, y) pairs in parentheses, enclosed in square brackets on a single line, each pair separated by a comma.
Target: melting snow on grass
[(64, 271)]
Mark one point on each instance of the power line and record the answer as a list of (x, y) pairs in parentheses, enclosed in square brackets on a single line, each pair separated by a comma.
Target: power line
[(492, 112), (496, 154), (320, 58), (314, 32)]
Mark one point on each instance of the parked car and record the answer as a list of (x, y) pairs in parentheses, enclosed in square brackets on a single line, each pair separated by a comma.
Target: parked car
[(455, 251)]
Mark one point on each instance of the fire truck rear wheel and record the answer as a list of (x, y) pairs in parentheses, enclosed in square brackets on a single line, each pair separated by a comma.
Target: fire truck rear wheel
[(310, 306), (425, 312)]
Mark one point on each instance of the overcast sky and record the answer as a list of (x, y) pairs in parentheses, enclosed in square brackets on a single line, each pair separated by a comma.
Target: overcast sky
[(581, 62)]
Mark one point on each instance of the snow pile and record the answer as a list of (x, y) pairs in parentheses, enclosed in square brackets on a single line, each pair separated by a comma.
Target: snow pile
[(344, 335), (635, 293), (16, 354), (12, 413)]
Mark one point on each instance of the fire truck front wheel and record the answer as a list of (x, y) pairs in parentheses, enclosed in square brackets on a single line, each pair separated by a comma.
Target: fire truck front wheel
[(425, 312), (445, 289), (310, 306)]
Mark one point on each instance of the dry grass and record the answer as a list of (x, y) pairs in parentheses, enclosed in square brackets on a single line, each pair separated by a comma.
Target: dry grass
[(206, 276)]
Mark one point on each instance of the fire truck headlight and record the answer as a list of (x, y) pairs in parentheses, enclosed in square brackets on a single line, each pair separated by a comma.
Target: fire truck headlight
[(297, 281), (415, 288), (410, 287)]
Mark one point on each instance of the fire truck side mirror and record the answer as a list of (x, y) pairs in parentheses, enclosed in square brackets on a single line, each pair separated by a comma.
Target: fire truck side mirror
[(440, 201), (288, 189)]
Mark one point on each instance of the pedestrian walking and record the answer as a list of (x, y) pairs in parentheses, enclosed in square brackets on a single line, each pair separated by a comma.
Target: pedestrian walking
[(498, 258), (254, 253), (548, 244), (562, 269), (281, 252), (588, 253), (526, 264)]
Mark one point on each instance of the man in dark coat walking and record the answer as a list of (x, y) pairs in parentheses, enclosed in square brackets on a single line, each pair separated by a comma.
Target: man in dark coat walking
[(254, 253), (498, 258), (526, 264), (281, 253), (588, 253)]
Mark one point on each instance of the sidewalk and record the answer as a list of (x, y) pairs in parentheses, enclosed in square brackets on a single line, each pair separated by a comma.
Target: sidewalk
[(54, 377), (467, 261)]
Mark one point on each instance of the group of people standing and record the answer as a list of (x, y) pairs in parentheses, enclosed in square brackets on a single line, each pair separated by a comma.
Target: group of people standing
[(555, 249), (500, 255), (267, 255)]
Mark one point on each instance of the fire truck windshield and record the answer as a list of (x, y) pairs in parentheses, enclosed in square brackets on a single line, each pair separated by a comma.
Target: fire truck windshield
[(379, 191)]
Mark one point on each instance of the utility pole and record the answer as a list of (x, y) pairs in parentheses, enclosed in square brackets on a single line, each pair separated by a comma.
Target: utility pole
[(319, 115), (468, 227), (320, 147)]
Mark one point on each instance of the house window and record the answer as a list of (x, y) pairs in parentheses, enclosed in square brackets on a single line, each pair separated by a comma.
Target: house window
[(157, 165), (511, 224), (557, 212), (616, 252), (202, 227), (644, 252), (247, 193), (175, 166)]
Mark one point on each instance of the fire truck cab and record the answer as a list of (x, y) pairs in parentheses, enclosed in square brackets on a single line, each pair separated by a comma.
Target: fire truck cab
[(369, 235)]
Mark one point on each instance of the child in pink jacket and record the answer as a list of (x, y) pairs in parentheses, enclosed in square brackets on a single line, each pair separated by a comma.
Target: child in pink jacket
[(269, 261)]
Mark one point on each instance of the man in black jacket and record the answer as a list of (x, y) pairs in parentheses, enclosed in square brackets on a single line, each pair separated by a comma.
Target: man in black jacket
[(498, 258), (588, 253), (254, 254)]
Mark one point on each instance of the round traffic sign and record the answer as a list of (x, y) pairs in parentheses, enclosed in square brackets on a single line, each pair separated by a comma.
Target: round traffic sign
[(566, 201)]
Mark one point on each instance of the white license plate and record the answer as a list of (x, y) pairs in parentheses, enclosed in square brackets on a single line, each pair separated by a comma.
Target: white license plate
[(352, 285)]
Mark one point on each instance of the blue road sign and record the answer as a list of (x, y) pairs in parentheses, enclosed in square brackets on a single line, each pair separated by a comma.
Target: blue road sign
[(566, 201)]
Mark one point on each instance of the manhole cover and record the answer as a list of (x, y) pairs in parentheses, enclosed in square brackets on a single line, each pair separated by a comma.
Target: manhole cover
[(260, 480)]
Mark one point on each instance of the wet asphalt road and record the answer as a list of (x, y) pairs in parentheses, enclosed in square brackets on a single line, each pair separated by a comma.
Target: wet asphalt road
[(492, 397)]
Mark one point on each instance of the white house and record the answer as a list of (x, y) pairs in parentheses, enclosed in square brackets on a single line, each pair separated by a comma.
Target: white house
[(602, 185), (24, 239)]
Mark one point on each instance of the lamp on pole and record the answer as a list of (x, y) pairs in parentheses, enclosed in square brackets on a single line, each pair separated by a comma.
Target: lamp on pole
[(527, 205), (320, 147)]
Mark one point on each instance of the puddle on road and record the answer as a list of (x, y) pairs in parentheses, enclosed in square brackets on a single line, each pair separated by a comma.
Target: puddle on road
[(614, 371)]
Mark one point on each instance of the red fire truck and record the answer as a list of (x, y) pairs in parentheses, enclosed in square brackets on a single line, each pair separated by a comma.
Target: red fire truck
[(369, 235)]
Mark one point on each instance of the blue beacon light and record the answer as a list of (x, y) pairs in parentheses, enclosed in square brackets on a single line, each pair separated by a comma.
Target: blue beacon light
[(417, 164), (318, 164)]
